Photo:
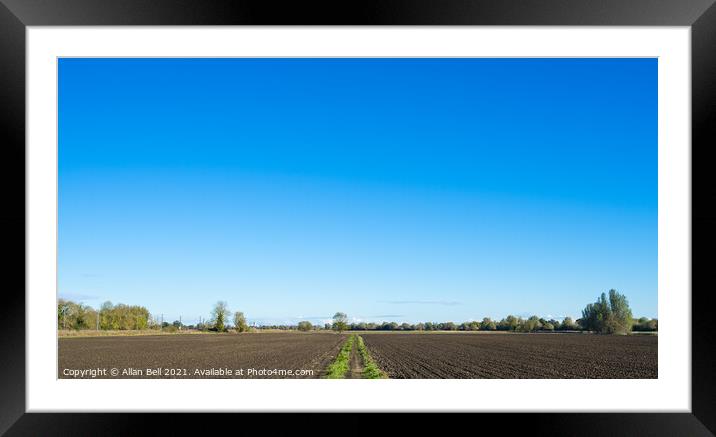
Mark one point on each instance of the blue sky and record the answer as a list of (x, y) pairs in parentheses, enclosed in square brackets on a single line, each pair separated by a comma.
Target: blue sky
[(390, 189)]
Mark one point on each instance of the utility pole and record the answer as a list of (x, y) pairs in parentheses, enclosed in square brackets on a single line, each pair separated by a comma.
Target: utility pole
[(180, 322)]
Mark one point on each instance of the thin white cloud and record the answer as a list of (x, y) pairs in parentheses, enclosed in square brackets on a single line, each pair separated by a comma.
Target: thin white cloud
[(78, 296), (421, 302)]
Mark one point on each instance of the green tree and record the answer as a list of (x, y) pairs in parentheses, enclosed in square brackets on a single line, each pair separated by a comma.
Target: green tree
[(621, 320), (340, 322), (473, 326), (487, 324), (644, 324), (304, 325), (105, 316), (389, 326), (448, 326), (568, 324), (72, 315), (510, 323), (88, 316), (240, 324), (220, 314), (608, 315), (532, 324)]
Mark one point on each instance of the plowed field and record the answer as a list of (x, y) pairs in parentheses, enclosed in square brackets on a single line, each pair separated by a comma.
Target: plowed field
[(448, 355), (264, 355)]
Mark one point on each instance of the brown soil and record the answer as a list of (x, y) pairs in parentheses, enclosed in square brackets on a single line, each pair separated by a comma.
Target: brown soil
[(356, 364), (281, 351), (536, 356)]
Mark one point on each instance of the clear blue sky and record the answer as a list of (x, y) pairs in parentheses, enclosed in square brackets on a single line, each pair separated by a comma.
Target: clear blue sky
[(390, 189)]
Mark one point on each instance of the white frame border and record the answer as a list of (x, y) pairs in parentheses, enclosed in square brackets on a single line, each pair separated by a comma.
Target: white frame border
[(670, 392)]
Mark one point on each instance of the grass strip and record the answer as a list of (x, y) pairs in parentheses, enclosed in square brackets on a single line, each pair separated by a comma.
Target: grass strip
[(342, 363), (370, 369)]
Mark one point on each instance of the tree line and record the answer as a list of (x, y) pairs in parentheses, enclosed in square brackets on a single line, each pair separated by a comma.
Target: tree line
[(72, 315), (121, 317), (610, 314), (509, 323)]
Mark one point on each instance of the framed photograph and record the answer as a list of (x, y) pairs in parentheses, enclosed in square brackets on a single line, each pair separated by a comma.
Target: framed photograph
[(488, 207)]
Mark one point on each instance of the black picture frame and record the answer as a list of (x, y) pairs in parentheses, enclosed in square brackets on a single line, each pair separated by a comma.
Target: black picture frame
[(15, 15)]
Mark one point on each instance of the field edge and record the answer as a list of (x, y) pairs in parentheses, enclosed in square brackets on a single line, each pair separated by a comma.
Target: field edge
[(370, 368)]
